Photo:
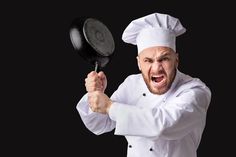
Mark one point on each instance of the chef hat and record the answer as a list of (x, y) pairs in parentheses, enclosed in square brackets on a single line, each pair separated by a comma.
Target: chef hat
[(153, 30)]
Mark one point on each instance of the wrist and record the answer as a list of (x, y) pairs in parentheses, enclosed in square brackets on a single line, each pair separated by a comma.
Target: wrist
[(109, 106)]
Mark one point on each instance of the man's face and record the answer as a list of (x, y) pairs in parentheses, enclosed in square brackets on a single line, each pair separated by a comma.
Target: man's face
[(158, 66)]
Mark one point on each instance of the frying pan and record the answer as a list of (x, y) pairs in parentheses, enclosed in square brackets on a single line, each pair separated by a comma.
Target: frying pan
[(92, 40)]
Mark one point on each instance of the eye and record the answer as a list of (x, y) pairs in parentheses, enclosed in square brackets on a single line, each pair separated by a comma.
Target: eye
[(165, 59), (148, 60)]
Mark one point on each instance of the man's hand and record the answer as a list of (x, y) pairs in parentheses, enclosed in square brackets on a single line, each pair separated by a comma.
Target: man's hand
[(96, 82), (99, 102)]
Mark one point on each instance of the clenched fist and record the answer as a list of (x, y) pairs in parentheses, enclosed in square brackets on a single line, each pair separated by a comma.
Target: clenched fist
[(96, 82), (99, 102)]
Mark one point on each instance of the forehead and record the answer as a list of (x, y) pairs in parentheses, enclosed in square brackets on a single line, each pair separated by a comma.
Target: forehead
[(156, 51)]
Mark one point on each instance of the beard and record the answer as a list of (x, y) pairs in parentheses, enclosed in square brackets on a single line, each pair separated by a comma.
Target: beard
[(166, 84)]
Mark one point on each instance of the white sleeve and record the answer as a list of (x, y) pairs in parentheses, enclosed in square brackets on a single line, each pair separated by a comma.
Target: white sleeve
[(174, 119), (96, 122)]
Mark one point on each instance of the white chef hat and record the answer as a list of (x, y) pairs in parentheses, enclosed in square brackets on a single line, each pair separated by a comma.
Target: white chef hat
[(153, 30)]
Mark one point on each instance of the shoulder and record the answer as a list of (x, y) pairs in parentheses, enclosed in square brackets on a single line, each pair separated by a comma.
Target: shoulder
[(186, 82), (133, 81)]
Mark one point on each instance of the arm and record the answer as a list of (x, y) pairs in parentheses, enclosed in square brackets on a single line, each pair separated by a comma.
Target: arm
[(177, 117), (97, 123)]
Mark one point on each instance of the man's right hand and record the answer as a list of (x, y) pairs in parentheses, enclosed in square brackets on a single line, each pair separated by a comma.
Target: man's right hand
[(96, 82)]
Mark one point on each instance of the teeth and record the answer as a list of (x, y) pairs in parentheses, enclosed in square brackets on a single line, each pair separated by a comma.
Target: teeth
[(156, 78)]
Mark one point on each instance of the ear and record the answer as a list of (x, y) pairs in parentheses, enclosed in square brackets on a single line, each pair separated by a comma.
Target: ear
[(177, 60), (138, 61)]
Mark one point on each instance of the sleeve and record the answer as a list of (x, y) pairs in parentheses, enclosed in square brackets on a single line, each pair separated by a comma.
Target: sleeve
[(172, 120), (95, 122)]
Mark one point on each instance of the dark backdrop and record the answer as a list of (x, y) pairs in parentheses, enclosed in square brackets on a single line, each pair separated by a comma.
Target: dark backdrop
[(43, 77)]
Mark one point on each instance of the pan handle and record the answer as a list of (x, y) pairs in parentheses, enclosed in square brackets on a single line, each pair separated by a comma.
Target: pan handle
[(96, 66)]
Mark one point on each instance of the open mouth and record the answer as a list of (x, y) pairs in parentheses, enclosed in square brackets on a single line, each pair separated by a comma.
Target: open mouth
[(157, 79)]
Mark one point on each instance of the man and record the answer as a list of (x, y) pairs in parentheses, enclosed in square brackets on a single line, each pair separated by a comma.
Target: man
[(161, 112)]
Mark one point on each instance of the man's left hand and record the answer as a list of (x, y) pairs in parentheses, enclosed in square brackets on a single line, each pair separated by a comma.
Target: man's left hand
[(99, 102)]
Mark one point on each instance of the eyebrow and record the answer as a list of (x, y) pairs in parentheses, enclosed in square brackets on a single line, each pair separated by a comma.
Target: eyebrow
[(165, 55), (159, 57)]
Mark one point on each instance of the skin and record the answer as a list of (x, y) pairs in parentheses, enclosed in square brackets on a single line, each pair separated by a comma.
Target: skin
[(158, 66), (96, 84)]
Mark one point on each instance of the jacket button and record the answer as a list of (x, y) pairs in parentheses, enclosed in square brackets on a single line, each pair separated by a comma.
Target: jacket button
[(130, 146), (150, 149), (144, 94)]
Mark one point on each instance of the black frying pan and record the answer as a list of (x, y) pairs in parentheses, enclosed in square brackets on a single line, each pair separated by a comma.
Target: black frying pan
[(92, 40)]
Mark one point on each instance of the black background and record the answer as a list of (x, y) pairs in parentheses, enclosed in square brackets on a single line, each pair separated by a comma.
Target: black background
[(43, 77)]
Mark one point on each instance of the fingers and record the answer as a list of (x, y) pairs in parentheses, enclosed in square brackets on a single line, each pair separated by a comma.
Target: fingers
[(91, 87), (93, 84), (103, 78), (91, 74), (99, 102), (102, 75), (95, 81)]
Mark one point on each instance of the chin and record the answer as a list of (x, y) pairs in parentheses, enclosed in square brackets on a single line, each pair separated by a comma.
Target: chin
[(158, 92)]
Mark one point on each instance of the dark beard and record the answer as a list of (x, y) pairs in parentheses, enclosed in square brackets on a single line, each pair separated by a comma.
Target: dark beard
[(146, 80)]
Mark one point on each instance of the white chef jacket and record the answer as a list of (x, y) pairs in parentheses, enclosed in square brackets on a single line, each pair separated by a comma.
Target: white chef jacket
[(168, 125)]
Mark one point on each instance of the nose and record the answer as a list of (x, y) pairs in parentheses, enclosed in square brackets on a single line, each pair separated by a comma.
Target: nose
[(156, 66)]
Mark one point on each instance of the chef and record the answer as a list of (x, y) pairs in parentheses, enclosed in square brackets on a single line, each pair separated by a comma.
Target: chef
[(160, 111)]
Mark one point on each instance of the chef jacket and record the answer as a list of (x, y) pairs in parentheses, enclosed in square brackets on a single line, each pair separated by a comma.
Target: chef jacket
[(167, 125)]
